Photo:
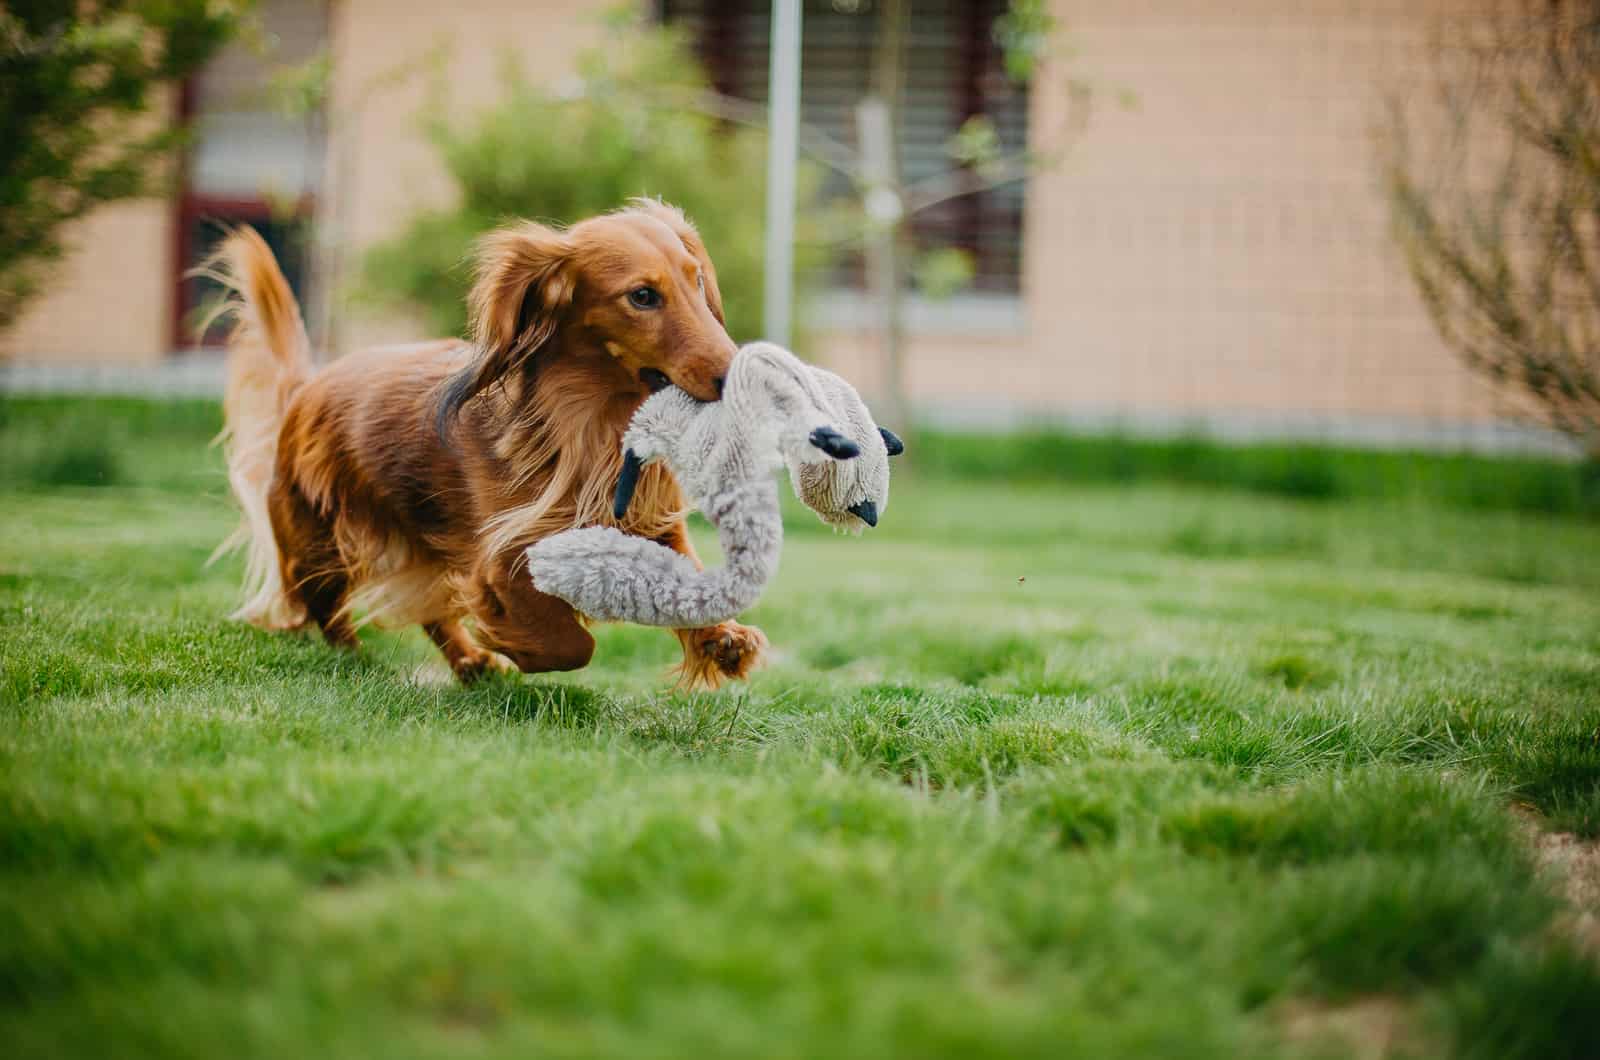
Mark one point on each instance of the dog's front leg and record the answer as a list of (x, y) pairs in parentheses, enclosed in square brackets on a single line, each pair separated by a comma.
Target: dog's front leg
[(713, 654), (536, 631)]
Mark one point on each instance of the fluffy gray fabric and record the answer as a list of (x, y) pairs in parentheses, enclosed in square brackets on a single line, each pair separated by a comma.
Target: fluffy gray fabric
[(776, 411)]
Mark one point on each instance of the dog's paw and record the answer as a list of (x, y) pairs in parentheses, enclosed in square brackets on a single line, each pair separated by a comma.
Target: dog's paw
[(719, 653), (734, 648), (475, 666)]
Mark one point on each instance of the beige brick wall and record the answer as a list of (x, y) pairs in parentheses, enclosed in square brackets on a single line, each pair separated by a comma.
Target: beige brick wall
[(384, 171), (110, 299), (1223, 245)]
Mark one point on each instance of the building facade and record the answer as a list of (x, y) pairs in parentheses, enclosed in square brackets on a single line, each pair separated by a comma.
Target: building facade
[(1214, 246)]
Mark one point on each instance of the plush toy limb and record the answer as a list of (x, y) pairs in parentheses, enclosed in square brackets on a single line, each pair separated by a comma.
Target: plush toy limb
[(610, 576)]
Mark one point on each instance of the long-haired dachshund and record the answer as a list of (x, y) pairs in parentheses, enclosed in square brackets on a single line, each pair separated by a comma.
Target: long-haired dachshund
[(405, 483)]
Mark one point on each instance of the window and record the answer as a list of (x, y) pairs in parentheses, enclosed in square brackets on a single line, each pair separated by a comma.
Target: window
[(249, 163), (954, 70)]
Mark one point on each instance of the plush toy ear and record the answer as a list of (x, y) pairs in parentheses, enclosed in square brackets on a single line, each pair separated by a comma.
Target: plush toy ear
[(892, 440), (834, 444), (627, 482)]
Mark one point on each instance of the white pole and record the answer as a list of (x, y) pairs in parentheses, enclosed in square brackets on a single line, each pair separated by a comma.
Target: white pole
[(783, 152)]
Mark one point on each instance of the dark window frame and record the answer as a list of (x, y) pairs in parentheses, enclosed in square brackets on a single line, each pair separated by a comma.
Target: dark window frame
[(974, 222), (193, 209)]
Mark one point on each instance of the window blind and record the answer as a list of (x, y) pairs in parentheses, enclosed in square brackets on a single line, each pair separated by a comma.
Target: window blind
[(953, 70)]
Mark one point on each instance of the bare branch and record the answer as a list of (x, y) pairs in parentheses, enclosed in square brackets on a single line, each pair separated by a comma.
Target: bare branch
[(1494, 191)]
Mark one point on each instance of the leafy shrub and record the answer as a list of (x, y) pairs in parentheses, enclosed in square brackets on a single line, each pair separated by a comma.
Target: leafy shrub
[(83, 441), (76, 82), (1307, 472), (79, 462), (631, 126)]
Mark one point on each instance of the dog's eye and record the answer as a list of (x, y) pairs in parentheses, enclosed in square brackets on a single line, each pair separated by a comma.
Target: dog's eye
[(700, 278), (644, 298)]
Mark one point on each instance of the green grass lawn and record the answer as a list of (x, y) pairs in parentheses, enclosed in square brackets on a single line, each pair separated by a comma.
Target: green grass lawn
[(1069, 768)]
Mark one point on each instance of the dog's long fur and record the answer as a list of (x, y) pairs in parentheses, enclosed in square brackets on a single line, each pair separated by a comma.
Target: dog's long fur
[(402, 485)]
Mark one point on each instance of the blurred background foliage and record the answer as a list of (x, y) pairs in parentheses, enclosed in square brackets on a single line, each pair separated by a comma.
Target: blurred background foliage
[(1493, 179), (625, 126), (80, 85), (52, 442)]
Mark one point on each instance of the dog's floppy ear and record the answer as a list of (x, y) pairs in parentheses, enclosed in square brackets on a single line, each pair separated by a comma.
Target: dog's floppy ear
[(674, 219), (525, 282)]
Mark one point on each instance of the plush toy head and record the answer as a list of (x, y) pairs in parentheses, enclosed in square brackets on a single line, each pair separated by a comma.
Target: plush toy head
[(847, 495), (776, 411)]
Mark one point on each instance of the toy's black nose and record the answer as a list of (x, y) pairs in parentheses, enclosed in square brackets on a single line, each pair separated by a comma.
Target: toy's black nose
[(866, 511), (719, 382), (655, 379)]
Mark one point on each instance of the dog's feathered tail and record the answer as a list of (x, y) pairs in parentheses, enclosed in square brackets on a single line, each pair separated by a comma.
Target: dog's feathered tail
[(269, 357)]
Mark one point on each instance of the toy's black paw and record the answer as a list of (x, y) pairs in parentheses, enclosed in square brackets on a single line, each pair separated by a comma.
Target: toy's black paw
[(834, 444)]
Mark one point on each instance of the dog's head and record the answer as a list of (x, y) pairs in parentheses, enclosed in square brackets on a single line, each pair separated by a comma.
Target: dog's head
[(635, 286)]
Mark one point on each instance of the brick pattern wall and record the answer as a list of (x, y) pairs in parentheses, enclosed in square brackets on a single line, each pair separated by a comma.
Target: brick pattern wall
[(1221, 245), (1218, 249)]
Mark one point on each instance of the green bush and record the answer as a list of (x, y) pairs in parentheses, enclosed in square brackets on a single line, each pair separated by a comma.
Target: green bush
[(1304, 471), (55, 441), (78, 83), (628, 127), (81, 441)]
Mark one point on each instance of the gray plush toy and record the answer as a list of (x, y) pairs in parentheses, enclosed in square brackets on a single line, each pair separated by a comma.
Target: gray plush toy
[(776, 411)]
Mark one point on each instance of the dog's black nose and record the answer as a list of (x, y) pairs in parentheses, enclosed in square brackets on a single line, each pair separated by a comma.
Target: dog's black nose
[(866, 511), (719, 382)]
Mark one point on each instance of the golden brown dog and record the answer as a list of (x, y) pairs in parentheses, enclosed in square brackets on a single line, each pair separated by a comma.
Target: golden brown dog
[(404, 483)]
